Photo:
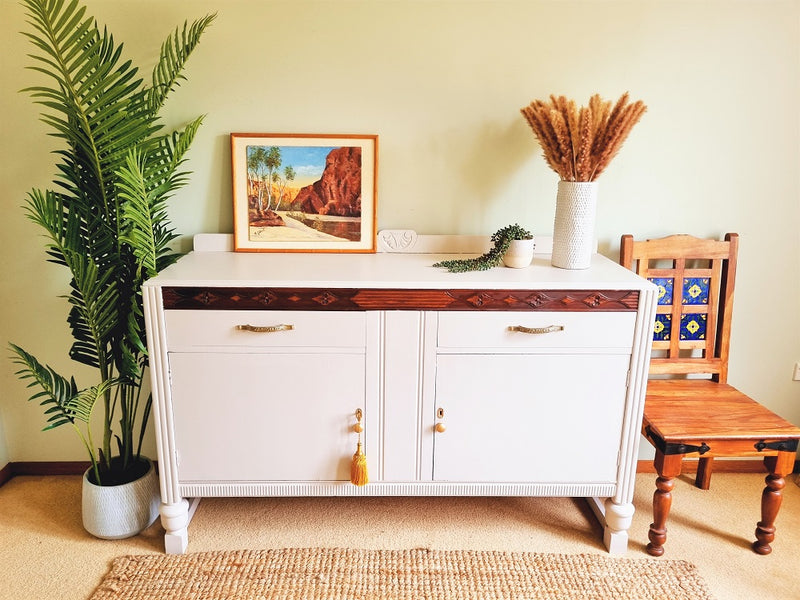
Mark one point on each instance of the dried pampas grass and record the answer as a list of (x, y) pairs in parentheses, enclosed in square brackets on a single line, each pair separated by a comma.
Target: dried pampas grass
[(579, 143)]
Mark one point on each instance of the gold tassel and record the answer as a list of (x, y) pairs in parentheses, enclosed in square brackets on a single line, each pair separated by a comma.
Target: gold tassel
[(358, 468)]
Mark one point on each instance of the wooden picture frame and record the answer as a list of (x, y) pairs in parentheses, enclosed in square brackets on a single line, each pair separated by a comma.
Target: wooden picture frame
[(304, 192)]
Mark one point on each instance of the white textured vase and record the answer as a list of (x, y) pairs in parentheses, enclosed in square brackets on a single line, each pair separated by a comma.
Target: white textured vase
[(519, 254), (114, 512), (573, 229)]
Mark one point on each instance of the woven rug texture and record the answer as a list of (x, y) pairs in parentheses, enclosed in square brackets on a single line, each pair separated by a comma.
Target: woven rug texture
[(418, 574)]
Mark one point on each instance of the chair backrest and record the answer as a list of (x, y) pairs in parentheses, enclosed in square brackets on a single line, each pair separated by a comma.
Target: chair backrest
[(695, 280)]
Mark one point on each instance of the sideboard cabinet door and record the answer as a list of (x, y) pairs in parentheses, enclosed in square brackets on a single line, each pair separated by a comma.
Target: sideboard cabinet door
[(529, 417), (265, 416)]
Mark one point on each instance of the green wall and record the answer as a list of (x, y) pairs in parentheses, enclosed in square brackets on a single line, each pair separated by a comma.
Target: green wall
[(441, 82)]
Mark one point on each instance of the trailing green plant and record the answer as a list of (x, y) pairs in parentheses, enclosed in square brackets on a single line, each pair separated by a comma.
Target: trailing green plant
[(105, 219), (501, 239)]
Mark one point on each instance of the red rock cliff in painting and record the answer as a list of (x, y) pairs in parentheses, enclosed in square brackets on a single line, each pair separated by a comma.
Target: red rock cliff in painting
[(338, 192)]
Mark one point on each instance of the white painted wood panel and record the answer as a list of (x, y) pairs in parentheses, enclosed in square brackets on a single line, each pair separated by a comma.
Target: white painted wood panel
[(380, 271), (265, 417), (405, 241), (539, 418), (402, 395), (210, 328), (613, 330), (393, 488)]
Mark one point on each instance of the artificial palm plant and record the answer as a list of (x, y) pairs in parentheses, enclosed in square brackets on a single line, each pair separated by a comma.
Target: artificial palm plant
[(105, 218)]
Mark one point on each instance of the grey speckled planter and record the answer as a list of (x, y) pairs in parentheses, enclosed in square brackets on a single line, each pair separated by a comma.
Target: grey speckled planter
[(120, 511)]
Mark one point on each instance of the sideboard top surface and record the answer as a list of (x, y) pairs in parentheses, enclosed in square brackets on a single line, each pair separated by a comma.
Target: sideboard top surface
[(383, 271)]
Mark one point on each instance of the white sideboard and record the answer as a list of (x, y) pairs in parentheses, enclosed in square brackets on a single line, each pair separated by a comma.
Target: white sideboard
[(504, 382)]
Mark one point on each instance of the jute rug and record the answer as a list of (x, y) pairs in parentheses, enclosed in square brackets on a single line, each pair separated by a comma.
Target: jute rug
[(342, 574)]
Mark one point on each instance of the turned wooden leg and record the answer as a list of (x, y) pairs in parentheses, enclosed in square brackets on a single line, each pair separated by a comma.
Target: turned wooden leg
[(175, 519), (618, 519), (779, 466), (704, 467), (668, 468)]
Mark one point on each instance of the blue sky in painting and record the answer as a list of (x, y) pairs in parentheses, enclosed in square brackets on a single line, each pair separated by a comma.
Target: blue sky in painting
[(308, 162)]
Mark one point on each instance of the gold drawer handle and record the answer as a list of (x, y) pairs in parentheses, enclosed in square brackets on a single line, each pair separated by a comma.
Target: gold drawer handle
[(268, 329), (536, 330)]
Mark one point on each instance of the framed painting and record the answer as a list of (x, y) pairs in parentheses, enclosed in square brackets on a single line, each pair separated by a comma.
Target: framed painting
[(304, 192)]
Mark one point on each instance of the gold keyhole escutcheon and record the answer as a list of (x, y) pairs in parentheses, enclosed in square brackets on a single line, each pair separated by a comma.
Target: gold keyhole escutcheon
[(440, 427)]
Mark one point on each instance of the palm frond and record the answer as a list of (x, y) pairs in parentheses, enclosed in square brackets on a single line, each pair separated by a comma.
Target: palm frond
[(95, 309), (46, 209), (140, 210), (174, 53), (182, 140), (145, 184), (57, 393), (90, 96)]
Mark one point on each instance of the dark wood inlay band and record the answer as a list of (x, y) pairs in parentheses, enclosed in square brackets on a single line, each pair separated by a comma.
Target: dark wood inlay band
[(238, 298)]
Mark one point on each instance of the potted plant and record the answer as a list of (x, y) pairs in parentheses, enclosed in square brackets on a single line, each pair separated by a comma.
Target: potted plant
[(502, 241), (578, 145), (105, 220)]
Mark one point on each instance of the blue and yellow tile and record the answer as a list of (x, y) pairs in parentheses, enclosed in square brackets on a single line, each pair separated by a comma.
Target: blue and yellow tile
[(665, 287), (693, 327), (661, 328), (695, 290)]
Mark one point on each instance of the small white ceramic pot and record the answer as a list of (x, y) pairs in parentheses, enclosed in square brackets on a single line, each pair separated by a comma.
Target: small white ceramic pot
[(519, 254)]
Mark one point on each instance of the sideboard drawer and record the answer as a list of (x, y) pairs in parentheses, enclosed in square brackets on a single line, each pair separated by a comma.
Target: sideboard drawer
[(220, 328), (579, 330)]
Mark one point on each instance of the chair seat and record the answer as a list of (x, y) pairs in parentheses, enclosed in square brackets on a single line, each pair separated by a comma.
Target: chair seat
[(726, 420)]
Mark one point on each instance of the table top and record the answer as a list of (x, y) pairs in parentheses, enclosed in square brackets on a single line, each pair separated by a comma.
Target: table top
[(384, 271), (680, 410)]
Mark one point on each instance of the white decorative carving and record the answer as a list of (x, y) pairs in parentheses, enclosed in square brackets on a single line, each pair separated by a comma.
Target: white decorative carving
[(396, 240), (345, 488)]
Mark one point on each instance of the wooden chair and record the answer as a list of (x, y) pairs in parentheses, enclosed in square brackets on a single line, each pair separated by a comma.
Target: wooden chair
[(684, 414)]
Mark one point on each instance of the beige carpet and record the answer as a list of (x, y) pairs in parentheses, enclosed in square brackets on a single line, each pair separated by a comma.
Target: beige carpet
[(417, 574), (46, 555)]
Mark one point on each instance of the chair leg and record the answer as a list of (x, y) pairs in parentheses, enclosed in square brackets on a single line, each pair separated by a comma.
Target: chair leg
[(668, 468), (704, 467), (779, 466)]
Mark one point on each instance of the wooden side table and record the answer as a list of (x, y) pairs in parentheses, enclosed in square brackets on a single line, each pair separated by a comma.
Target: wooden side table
[(739, 427)]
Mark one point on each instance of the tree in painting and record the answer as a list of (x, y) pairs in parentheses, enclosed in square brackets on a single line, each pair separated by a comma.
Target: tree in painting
[(281, 182)]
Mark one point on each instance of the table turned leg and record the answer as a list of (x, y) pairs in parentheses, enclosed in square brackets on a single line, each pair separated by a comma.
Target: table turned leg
[(704, 467), (668, 468), (779, 466)]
